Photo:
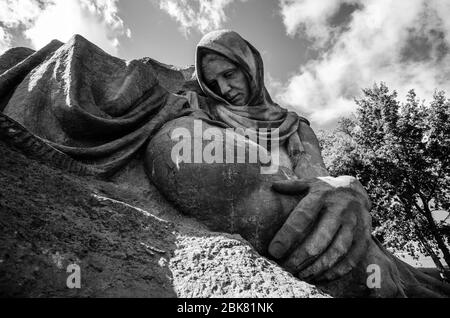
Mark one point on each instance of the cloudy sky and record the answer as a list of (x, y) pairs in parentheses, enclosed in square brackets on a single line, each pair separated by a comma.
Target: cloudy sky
[(318, 54)]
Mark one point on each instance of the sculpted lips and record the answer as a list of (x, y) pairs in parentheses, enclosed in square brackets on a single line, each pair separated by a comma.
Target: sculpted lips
[(235, 98)]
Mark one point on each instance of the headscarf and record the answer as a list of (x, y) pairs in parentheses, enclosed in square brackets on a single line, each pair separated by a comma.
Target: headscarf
[(260, 112)]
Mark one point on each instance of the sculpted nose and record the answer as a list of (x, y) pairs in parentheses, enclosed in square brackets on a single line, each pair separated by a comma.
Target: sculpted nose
[(224, 88)]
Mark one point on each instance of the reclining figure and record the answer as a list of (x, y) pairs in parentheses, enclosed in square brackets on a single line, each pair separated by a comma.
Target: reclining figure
[(316, 226), (107, 114)]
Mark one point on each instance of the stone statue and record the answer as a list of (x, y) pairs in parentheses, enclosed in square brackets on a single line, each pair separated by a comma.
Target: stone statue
[(321, 230), (114, 119)]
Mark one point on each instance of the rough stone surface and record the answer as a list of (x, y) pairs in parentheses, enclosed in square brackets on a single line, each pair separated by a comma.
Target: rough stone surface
[(128, 242), (222, 266)]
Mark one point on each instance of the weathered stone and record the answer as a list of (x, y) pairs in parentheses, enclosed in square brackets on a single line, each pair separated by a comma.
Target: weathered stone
[(127, 241)]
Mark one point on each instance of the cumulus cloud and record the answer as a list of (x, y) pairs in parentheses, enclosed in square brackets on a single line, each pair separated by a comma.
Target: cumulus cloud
[(404, 43), (312, 18), (5, 40), (202, 15), (41, 21)]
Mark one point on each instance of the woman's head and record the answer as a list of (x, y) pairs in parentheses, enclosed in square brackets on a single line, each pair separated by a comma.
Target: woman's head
[(225, 79), (230, 69)]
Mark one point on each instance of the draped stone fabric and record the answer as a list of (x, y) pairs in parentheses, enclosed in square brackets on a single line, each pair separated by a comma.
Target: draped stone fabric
[(98, 109)]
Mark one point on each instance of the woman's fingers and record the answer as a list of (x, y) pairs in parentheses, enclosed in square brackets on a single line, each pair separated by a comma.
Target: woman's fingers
[(320, 239), (357, 250), (296, 227), (338, 249), (336, 243)]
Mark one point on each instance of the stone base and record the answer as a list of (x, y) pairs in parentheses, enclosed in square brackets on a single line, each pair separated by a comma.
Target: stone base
[(128, 242)]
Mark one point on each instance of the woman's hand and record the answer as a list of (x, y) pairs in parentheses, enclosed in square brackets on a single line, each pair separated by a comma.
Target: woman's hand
[(328, 232)]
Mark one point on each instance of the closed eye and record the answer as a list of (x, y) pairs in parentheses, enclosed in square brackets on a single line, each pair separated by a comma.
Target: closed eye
[(229, 74)]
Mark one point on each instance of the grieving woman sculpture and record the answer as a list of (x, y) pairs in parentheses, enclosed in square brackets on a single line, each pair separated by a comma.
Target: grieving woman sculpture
[(316, 226), (105, 113)]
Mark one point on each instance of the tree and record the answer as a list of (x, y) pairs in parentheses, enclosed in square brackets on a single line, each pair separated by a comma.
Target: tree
[(400, 152)]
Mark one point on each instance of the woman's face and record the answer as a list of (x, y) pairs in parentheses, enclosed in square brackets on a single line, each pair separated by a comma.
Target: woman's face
[(225, 79)]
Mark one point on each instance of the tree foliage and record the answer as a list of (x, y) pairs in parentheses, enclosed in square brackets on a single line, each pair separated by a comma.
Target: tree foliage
[(400, 152)]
